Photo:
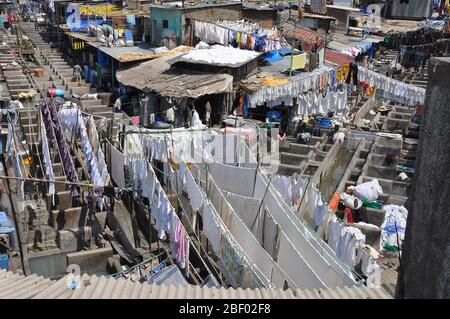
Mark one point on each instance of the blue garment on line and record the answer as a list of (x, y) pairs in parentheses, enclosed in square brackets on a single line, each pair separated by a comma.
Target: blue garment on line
[(131, 19), (245, 107), (128, 35)]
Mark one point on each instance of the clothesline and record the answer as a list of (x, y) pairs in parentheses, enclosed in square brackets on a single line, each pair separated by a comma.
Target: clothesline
[(152, 167), (243, 32), (215, 33), (144, 262)]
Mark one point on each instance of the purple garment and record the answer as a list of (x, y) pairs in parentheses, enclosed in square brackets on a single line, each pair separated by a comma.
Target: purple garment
[(55, 135)]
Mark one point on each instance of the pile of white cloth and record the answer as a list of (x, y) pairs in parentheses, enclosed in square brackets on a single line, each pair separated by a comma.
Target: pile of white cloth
[(368, 191), (220, 55)]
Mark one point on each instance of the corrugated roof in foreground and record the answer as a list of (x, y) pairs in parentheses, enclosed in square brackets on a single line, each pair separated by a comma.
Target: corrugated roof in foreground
[(93, 287)]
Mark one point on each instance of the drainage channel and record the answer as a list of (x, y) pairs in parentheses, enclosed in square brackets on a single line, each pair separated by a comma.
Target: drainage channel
[(331, 181)]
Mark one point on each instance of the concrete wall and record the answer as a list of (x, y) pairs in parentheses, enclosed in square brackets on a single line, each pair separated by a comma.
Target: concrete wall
[(50, 264), (340, 15), (212, 14), (173, 17), (425, 271), (265, 18), (91, 261), (230, 12)]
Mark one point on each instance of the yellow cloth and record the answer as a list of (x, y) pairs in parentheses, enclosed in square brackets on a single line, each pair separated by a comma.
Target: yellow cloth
[(298, 61), (273, 81), (339, 74), (346, 68), (370, 90), (238, 39)]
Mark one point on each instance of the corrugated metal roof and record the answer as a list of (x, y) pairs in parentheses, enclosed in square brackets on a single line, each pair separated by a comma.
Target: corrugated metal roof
[(20, 287), (134, 53), (92, 41), (311, 40), (93, 287), (156, 75), (337, 58)]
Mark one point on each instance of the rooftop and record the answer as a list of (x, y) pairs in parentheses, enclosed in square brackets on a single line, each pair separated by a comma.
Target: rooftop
[(218, 55), (93, 287), (134, 53), (122, 54), (157, 76), (177, 5)]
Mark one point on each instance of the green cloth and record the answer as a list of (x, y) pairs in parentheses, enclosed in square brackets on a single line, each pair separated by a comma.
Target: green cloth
[(371, 204), (390, 247)]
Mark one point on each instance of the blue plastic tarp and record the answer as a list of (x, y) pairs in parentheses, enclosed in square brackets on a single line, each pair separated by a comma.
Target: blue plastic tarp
[(285, 51), (6, 226), (272, 56)]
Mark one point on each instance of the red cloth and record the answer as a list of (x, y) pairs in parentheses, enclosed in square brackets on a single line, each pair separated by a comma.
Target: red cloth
[(349, 214), (135, 120)]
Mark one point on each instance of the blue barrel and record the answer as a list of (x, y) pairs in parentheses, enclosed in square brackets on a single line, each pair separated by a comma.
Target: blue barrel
[(4, 261), (59, 92), (93, 76), (87, 75)]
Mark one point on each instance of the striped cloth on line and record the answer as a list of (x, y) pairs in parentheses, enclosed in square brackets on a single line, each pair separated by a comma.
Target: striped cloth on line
[(319, 6)]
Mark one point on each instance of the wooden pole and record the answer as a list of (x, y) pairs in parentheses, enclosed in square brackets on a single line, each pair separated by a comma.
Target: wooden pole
[(262, 202), (150, 228), (303, 196), (133, 220)]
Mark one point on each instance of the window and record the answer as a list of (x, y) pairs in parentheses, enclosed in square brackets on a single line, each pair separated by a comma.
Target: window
[(165, 24)]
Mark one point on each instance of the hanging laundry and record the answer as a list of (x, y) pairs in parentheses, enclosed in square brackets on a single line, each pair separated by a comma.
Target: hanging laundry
[(211, 228), (319, 6), (55, 134), (194, 192), (299, 61), (161, 210), (233, 263), (47, 160), (117, 164), (180, 242)]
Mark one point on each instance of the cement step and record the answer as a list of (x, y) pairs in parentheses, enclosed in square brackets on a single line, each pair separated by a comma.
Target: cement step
[(99, 109)]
